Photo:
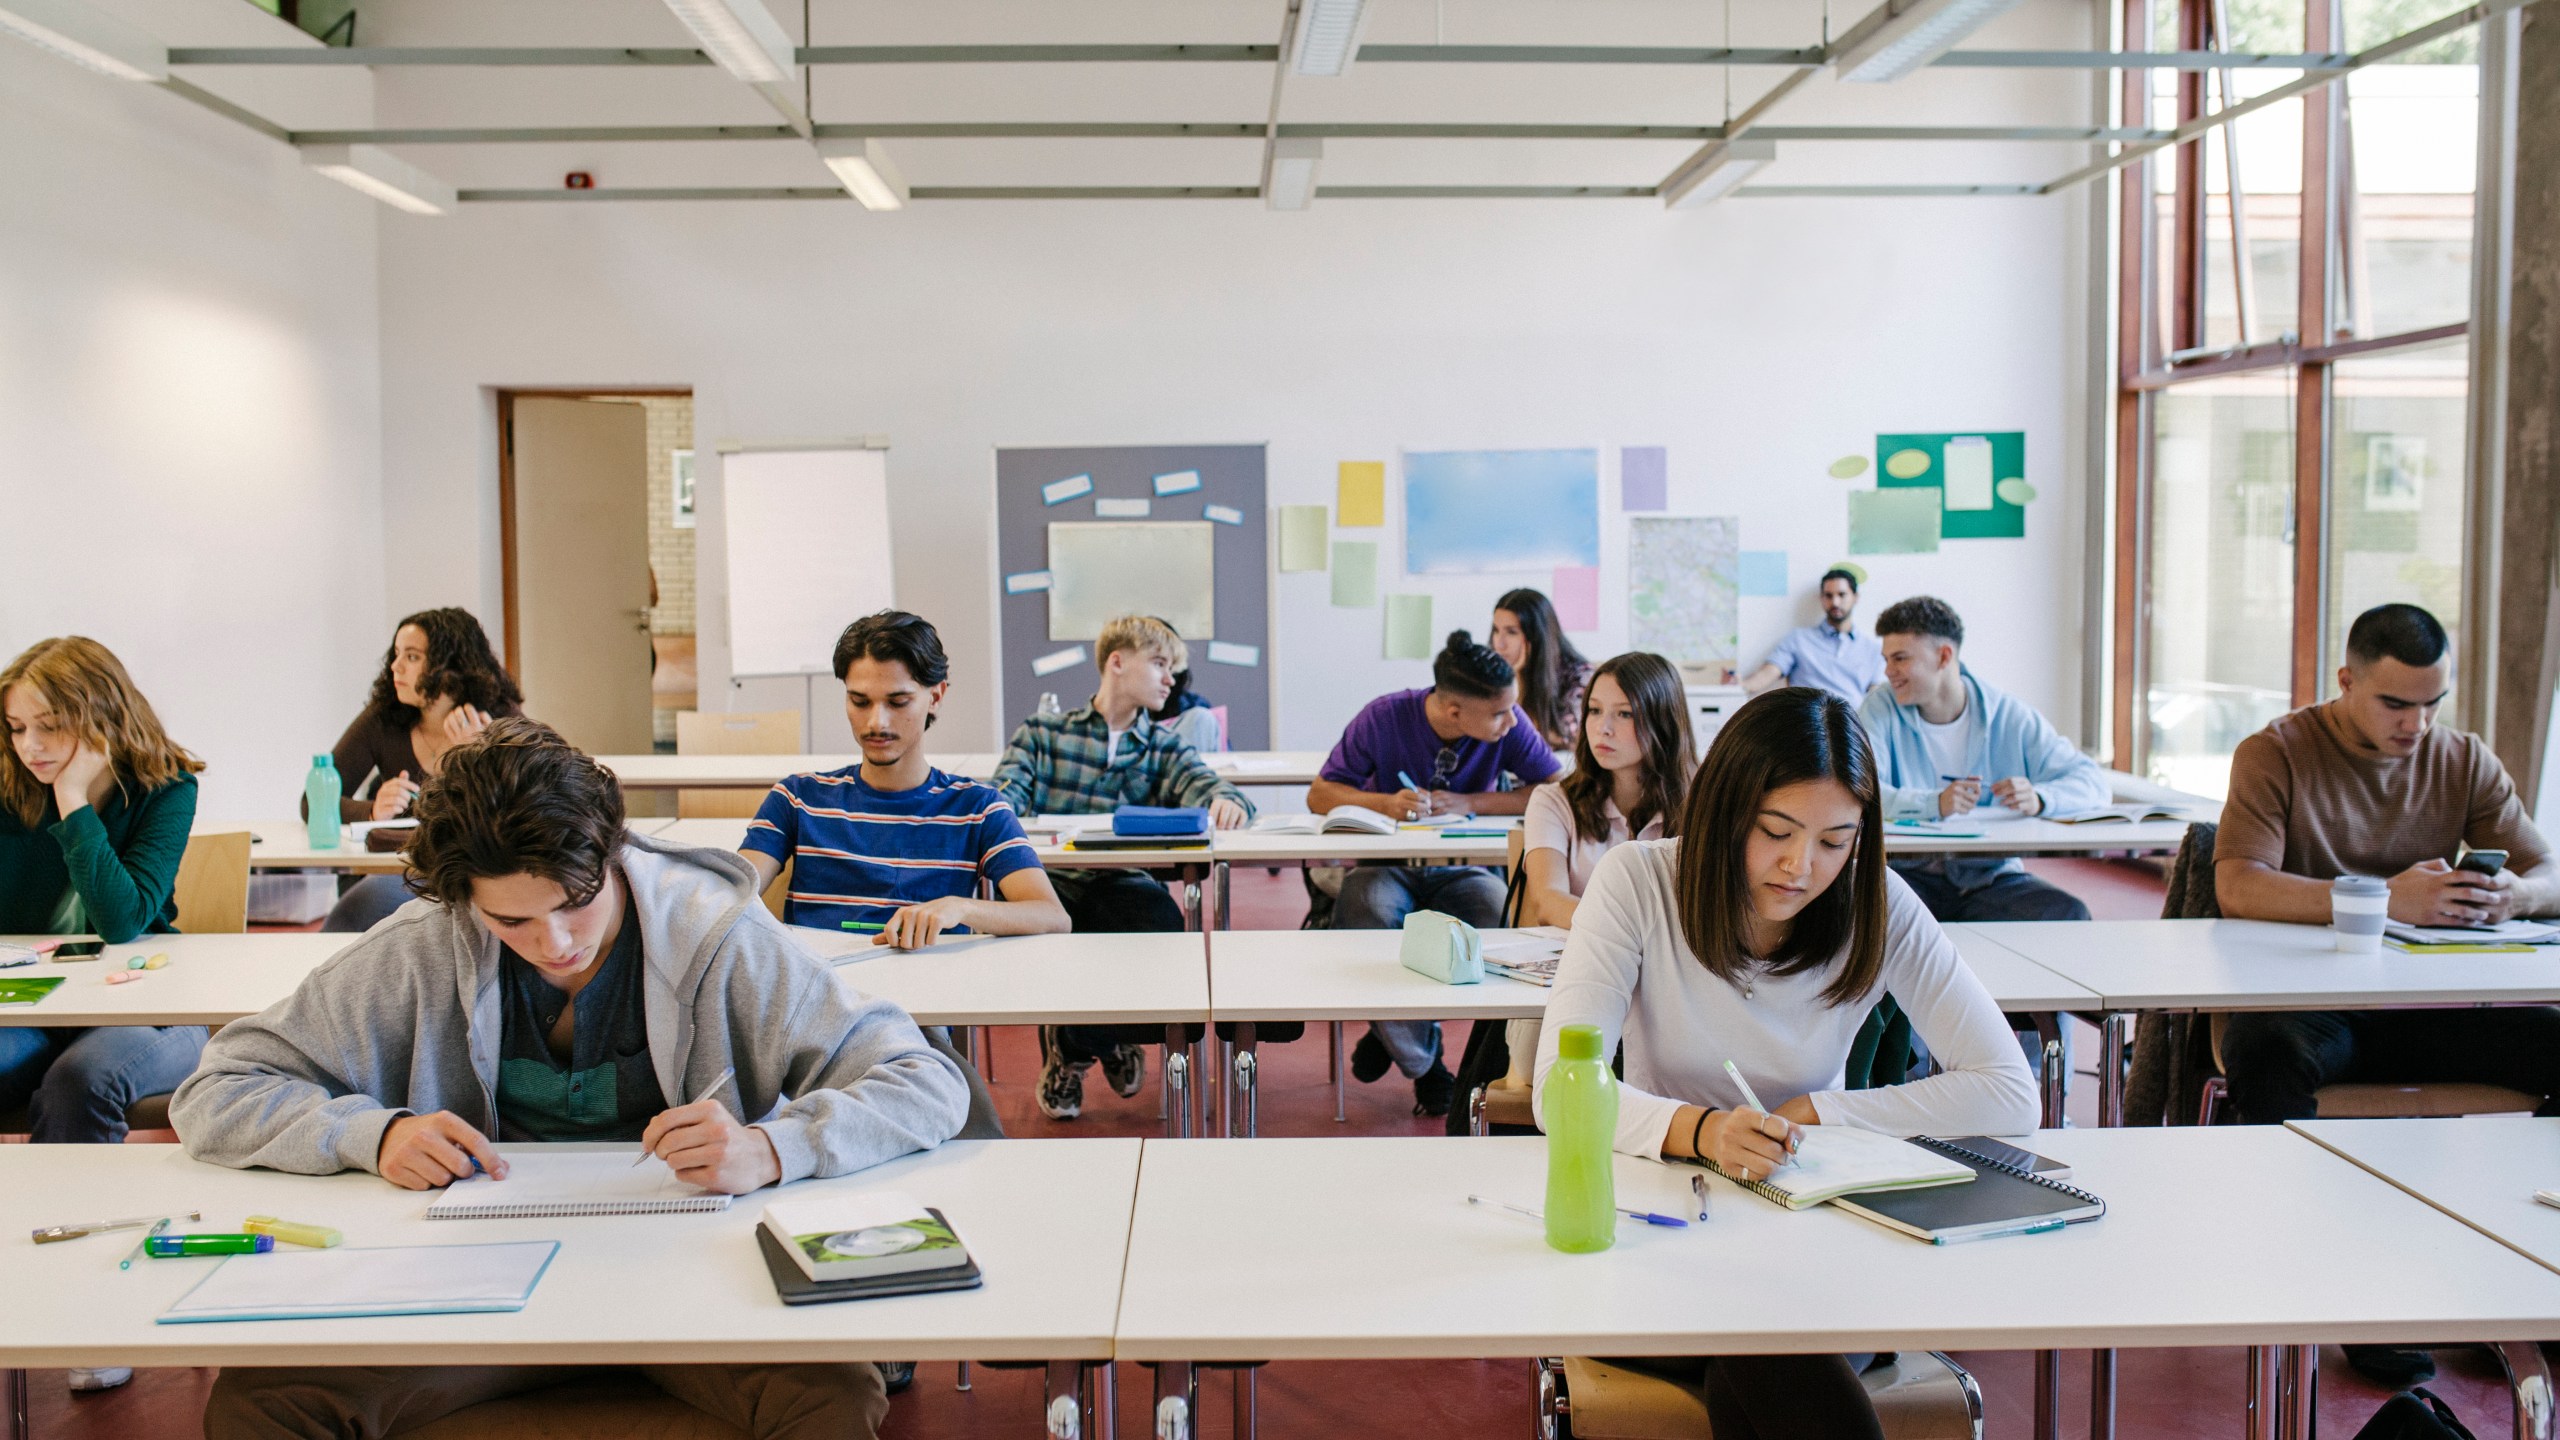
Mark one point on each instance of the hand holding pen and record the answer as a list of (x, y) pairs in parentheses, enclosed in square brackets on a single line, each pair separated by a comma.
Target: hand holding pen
[(705, 1145), (1751, 1143)]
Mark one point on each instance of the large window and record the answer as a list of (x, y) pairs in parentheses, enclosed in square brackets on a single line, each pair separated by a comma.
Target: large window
[(2301, 453)]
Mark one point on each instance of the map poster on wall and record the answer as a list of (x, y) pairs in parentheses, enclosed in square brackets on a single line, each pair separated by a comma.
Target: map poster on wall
[(1973, 471), (1681, 584), (1478, 512)]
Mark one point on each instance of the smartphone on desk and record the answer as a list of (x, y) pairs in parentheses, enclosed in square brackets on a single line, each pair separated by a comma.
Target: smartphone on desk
[(78, 950), (2481, 862)]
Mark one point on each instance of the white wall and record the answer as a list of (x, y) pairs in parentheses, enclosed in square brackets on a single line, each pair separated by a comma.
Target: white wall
[(1759, 341), (189, 415)]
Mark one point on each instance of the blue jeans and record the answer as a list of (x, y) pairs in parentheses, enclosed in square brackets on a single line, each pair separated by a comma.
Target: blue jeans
[(76, 1083), (1378, 897), (367, 903)]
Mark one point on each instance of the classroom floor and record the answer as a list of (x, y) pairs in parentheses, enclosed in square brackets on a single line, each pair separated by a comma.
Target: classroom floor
[(2161, 1394)]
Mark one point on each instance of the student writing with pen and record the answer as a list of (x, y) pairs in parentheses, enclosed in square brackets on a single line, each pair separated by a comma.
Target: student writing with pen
[(893, 847), (1761, 939), (563, 980)]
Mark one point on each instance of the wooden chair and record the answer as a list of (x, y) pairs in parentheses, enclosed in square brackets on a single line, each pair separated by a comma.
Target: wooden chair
[(213, 884), (1504, 1099), (2429, 1100), (1918, 1396), (735, 732)]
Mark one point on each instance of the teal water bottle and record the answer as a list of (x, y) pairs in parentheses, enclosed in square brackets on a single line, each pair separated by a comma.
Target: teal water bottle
[(1581, 1111), (321, 791)]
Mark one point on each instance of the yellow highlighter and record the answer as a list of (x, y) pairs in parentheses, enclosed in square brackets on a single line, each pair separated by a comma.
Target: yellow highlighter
[(318, 1237)]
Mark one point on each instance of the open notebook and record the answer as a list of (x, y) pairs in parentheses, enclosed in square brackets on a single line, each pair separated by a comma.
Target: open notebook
[(602, 1182), (1835, 1160), (397, 1280)]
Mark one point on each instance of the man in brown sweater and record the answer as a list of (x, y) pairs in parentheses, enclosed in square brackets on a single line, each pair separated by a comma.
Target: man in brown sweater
[(2369, 784)]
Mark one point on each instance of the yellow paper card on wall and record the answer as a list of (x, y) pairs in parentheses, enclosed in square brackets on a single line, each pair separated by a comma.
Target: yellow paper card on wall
[(1360, 493)]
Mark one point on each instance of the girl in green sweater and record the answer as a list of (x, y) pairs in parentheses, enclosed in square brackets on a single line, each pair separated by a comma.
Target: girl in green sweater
[(95, 805)]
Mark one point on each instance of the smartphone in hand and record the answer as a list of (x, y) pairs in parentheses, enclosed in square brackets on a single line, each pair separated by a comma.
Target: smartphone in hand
[(2481, 862)]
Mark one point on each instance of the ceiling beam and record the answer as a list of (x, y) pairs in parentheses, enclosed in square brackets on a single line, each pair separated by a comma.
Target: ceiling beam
[(1227, 192), (578, 56), (1112, 130)]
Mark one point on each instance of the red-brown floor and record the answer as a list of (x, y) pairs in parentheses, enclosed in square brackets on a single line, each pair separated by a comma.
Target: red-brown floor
[(2162, 1394)]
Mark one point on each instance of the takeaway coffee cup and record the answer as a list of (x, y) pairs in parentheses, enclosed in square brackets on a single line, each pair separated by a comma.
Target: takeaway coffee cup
[(2358, 905)]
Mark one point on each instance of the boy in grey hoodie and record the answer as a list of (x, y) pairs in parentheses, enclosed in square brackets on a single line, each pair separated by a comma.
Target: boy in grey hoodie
[(564, 980)]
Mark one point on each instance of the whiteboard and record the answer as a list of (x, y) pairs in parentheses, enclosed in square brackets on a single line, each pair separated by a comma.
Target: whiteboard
[(808, 553)]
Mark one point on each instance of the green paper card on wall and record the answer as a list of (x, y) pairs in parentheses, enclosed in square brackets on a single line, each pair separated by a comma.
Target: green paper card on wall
[(1973, 474), (1900, 521), (1409, 627)]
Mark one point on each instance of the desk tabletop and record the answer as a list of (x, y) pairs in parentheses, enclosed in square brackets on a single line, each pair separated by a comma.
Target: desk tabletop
[(1156, 979), (283, 843), (1348, 975), (1048, 1221), (2481, 1170), (730, 834), (2264, 965), (1243, 1250), (743, 772), (210, 980), (1419, 846), (2005, 832)]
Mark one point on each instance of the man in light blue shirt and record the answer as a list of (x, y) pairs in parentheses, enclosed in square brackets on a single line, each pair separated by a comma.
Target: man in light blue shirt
[(1832, 655), (1945, 744)]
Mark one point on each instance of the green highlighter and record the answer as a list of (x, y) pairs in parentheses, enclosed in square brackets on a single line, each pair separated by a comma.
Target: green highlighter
[(171, 1247)]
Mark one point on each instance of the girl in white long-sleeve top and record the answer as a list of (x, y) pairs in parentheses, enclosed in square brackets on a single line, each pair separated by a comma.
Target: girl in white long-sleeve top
[(1763, 936)]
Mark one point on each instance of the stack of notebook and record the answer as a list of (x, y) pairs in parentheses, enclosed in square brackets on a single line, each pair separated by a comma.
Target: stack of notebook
[(1941, 1191), (860, 1247)]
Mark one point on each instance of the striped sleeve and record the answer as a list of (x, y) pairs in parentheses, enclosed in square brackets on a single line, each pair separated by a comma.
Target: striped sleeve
[(1002, 847), (775, 830)]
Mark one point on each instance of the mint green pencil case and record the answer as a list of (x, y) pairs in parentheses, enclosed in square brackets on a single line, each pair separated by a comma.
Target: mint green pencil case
[(1443, 947)]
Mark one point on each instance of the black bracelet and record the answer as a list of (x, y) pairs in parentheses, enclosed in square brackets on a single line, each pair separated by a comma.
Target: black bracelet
[(1698, 1129)]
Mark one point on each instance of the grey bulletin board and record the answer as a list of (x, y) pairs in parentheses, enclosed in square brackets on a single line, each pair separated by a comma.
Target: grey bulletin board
[(1231, 479)]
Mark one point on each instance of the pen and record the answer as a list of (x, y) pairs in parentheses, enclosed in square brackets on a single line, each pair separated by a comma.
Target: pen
[(138, 1246), (1540, 1216), (48, 1234), (1698, 1187), (171, 1247), (2548, 1197), (725, 1075), (2037, 1228), (1752, 1098), (1405, 779), (1952, 779)]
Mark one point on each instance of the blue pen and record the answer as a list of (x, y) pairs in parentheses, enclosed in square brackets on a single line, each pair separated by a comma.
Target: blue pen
[(2038, 1228), (1405, 778)]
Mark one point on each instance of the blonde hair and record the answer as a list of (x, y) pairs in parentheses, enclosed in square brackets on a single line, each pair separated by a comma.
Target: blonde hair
[(95, 699), (1145, 634)]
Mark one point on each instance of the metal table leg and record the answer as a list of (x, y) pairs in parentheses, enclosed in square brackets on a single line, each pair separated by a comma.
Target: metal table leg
[(1223, 875), (1248, 1402), (1242, 1067), (1177, 1082), (2529, 1378), (20, 1427), (2057, 1069), (1341, 1090), (2102, 1394), (1226, 1087), (2048, 1395), (2260, 1412), (1177, 1399), (2112, 1036), (2298, 1393)]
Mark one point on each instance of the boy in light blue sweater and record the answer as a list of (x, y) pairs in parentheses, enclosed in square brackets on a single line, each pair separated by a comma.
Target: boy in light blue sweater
[(1947, 743)]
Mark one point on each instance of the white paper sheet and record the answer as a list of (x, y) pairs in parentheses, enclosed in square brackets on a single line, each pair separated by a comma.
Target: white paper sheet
[(398, 1280), (1968, 461)]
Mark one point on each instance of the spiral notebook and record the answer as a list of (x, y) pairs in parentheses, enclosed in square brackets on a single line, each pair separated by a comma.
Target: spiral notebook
[(601, 1182), (1835, 1160), (2004, 1199)]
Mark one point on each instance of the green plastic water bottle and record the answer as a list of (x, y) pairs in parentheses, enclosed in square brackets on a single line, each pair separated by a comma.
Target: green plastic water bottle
[(1581, 1111), (321, 790)]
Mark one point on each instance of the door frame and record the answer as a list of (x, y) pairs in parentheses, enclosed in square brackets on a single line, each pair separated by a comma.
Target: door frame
[(507, 486)]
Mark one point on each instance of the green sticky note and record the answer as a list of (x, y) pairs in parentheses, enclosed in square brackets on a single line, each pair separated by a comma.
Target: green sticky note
[(1409, 627), (1899, 521), (1963, 469), (1848, 467), (1301, 537), (1355, 572), (2017, 492)]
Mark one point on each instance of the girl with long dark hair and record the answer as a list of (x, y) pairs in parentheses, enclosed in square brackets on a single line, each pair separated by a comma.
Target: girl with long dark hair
[(1552, 673)]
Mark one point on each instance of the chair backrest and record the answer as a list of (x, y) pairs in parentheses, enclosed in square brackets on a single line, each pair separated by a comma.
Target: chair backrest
[(213, 884), (2191, 895), (1515, 891), (732, 732)]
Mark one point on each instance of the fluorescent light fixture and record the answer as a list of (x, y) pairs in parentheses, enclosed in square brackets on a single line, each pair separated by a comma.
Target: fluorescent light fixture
[(862, 167), (1328, 36), (1294, 159), (382, 175), (1714, 174), (90, 39), (1911, 36), (740, 36)]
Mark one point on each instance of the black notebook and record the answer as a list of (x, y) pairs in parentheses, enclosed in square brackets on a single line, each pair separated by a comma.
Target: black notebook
[(2004, 1199), (796, 1288)]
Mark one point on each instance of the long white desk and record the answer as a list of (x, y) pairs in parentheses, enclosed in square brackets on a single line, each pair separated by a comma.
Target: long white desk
[(1047, 1219), (755, 772), (1160, 979), (2482, 1170), (2004, 832), (283, 843), (2264, 965), (2223, 1236), (209, 980), (730, 834)]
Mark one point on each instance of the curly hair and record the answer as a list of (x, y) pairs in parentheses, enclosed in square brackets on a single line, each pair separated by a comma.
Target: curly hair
[(461, 667), (518, 800), (95, 699)]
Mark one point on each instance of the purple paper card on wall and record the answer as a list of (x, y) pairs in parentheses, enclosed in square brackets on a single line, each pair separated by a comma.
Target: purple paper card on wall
[(1644, 477)]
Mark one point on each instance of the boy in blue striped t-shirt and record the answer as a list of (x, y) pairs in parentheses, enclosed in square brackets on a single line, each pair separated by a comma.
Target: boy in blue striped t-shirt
[(893, 843)]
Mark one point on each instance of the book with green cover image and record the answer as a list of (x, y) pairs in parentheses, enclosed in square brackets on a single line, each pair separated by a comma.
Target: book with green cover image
[(27, 989), (865, 1236)]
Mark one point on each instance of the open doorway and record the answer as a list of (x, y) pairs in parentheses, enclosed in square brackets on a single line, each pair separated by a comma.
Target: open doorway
[(595, 506)]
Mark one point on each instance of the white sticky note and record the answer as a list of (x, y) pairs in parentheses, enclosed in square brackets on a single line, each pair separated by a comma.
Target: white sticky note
[(1058, 492), (1057, 660), (1180, 482), (1027, 581), (1223, 652), (1968, 462), (1104, 509), (1223, 514)]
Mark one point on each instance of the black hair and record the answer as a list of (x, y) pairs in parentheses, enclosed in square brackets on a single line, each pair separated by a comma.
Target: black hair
[(1466, 668), (2406, 633), (461, 667), (1547, 680), (896, 635), (1843, 576), (1923, 615)]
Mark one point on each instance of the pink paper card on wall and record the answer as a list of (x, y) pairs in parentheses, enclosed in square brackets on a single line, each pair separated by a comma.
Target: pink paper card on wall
[(1576, 593)]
